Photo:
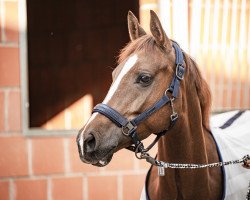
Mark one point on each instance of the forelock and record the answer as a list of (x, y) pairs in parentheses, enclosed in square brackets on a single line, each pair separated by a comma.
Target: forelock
[(145, 43)]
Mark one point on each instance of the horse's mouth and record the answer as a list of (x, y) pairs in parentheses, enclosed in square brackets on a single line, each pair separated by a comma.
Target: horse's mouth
[(108, 157), (104, 161), (98, 159)]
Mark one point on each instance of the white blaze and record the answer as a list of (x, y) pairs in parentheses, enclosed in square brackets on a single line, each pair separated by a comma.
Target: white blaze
[(81, 137), (127, 66)]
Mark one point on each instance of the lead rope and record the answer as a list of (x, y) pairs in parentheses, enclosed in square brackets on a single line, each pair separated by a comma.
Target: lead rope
[(164, 165)]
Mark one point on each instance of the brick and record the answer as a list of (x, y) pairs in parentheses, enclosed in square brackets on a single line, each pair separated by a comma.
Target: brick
[(1, 26), (14, 111), (103, 187), (47, 155), (76, 164), (122, 160), (28, 189), (67, 188), (132, 186), (13, 159), (11, 21), (9, 67), (4, 190), (2, 126)]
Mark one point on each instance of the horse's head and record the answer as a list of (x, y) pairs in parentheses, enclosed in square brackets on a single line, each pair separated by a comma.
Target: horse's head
[(146, 67)]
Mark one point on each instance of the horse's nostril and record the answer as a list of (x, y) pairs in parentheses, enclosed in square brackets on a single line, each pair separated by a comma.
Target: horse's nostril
[(90, 143)]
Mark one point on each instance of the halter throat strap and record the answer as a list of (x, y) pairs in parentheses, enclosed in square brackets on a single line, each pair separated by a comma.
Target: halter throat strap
[(129, 126)]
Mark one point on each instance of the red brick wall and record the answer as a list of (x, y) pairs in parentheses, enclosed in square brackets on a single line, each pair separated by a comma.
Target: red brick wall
[(9, 68), (48, 167)]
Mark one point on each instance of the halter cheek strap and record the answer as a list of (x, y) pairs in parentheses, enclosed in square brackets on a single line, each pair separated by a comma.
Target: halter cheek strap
[(129, 126)]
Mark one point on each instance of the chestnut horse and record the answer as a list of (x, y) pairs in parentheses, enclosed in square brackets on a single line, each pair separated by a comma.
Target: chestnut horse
[(145, 68)]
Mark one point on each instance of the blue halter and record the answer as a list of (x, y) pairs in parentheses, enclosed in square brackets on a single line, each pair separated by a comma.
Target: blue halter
[(129, 126)]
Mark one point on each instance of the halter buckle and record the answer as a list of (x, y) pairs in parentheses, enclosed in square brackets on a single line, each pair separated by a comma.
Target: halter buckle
[(128, 128), (180, 71)]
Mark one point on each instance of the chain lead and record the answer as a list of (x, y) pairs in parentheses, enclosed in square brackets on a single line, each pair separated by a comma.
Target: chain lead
[(162, 165)]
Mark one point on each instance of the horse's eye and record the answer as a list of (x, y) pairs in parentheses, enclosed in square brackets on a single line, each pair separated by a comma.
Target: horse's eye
[(144, 79)]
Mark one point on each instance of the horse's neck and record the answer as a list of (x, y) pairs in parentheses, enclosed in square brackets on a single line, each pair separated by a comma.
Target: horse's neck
[(188, 142)]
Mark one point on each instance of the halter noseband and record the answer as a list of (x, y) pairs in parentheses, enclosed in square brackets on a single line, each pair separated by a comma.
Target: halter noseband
[(129, 126)]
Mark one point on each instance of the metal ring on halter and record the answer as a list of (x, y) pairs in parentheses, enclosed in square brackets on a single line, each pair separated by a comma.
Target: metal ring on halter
[(128, 128), (167, 90), (123, 132), (142, 153)]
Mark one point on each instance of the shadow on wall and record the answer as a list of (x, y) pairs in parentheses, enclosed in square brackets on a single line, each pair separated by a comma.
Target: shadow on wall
[(72, 49)]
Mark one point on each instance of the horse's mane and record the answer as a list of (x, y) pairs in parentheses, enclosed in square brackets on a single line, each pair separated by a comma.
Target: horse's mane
[(202, 89), (148, 44)]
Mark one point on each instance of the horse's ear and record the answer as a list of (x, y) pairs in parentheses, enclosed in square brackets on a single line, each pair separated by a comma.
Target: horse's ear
[(134, 28), (158, 32)]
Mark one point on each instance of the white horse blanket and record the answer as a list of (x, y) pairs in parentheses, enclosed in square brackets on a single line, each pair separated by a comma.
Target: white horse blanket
[(231, 131)]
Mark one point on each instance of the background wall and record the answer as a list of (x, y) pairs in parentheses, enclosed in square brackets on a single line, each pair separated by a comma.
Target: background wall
[(48, 167), (72, 47)]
